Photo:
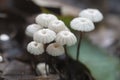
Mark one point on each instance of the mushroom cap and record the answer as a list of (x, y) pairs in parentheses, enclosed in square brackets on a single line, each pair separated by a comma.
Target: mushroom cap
[(35, 48), (44, 19), (1, 58), (4, 37), (42, 69), (82, 24), (57, 25), (44, 36), (31, 29), (55, 49), (66, 38), (93, 14)]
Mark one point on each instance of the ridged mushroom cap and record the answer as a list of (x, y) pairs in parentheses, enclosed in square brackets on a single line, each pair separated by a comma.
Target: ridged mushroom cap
[(82, 24), (93, 14), (35, 48), (66, 38), (57, 25), (31, 29), (44, 36), (44, 19), (55, 49)]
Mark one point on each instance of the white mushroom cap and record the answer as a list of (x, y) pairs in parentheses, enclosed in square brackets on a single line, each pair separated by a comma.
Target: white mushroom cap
[(4, 37), (44, 36), (66, 38), (41, 68), (45, 19), (1, 58), (35, 48), (31, 29), (82, 24), (55, 49), (93, 14), (57, 25)]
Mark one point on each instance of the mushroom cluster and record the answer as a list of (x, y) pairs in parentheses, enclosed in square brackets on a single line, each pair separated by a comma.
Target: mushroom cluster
[(49, 30), (50, 36)]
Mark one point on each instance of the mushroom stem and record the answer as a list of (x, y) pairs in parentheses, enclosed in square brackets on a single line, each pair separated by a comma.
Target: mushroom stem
[(33, 65), (66, 53), (46, 60), (46, 65), (65, 50), (67, 59), (79, 43), (67, 62)]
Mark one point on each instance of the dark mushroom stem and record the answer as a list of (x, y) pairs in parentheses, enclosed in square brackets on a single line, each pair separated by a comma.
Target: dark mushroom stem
[(46, 60), (67, 57), (68, 69), (33, 65), (79, 43), (46, 65), (66, 53)]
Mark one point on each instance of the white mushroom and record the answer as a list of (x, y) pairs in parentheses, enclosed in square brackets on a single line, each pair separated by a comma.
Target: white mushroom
[(44, 19), (41, 67), (57, 25), (55, 49), (66, 38), (82, 24), (93, 14), (31, 29), (44, 36), (1, 58), (35, 48)]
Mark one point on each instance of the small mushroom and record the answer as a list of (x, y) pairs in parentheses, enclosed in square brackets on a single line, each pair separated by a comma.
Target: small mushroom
[(44, 19), (66, 38), (44, 36), (55, 49), (57, 26), (31, 29), (41, 67), (35, 48), (93, 14), (82, 24), (1, 58)]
